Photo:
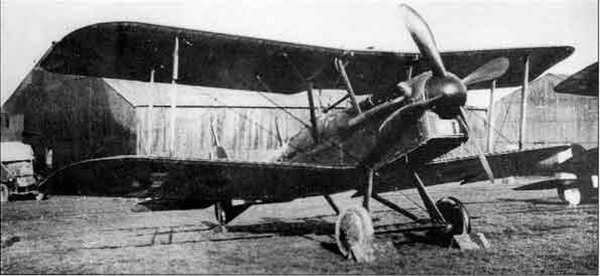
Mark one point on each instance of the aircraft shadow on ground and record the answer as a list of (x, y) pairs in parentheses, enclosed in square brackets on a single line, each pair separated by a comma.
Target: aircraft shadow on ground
[(316, 226), (17, 197), (421, 237), (546, 201), (303, 228), (168, 205)]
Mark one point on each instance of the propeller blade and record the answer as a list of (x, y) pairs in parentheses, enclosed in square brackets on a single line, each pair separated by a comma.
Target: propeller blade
[(493, 69), (423, 37), (482, 159)]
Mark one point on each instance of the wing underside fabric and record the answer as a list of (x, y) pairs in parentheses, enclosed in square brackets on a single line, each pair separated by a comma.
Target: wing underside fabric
[(542, 161), (137, 176)]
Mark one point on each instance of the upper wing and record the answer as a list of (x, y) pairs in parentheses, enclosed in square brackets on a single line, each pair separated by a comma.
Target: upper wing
[(128, 50), (201, 179), (584, 82)]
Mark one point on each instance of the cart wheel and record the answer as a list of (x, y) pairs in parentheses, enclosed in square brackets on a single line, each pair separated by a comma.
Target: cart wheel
[(4, 193)]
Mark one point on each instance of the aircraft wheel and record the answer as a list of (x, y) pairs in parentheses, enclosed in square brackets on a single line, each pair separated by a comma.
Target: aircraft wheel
[(571, 195), (456, 215), (4, 193), (354, 234)]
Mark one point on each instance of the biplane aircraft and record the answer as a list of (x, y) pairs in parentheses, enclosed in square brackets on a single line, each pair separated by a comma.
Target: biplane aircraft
[(405, 111), (579, 182)]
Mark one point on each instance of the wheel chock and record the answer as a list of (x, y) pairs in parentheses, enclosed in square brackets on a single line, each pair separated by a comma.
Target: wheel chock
[(483, 241), (464, 242)]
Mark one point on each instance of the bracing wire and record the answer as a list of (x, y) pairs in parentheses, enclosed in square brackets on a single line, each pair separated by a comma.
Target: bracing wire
[(269, 132), (496, 130)]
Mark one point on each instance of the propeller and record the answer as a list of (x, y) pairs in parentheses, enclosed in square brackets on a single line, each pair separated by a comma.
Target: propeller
[(482, 159), (423, 37), (493, 69), (425, 41)]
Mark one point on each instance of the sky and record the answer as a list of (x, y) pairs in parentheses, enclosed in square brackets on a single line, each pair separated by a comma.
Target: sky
[(28, 27)]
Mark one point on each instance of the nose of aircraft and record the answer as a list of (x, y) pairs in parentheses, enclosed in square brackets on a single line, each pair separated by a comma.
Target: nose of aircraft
[(449, 93), (445, 94)]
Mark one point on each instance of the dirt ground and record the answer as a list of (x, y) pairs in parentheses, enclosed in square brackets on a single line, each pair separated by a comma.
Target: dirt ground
[(531, 232)]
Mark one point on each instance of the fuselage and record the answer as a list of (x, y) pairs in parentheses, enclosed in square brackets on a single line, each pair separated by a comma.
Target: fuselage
[(341, 141)]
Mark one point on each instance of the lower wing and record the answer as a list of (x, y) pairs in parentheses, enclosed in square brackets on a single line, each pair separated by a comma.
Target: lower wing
[(141, 176), (543, 161)]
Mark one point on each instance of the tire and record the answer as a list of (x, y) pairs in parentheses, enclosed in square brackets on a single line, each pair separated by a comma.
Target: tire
[(571, 195), (4, 193), (456, 215), (354, 234)]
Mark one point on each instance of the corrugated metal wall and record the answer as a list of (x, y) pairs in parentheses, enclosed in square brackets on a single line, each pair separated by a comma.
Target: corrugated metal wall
[(477, 136), (77, 117), (85, 117), (551, 118), (246, 133)]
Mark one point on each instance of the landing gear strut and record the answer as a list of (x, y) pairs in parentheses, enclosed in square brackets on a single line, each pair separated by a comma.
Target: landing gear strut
[(225, 211), (448, 220)]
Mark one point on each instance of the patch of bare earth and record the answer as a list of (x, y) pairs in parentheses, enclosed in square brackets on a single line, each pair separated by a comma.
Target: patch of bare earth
[(530, 233)]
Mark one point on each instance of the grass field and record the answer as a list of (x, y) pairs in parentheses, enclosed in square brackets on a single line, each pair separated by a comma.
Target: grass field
[(530, 233)]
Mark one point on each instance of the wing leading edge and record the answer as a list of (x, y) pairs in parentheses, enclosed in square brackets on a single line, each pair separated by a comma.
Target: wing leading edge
[(543, 161), (141, 176), (130, 50)]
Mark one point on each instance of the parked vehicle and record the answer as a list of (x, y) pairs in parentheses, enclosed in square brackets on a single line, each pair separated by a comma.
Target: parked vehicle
[(18, 176)]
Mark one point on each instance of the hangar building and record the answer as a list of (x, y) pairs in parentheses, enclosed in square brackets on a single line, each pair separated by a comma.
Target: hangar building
[(551, 118), (80, 117)]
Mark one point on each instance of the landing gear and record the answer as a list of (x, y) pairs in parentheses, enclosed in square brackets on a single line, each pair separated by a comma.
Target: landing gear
[(456, 216), (448, 222), (225, 211), (354, 234), (354, 228)]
